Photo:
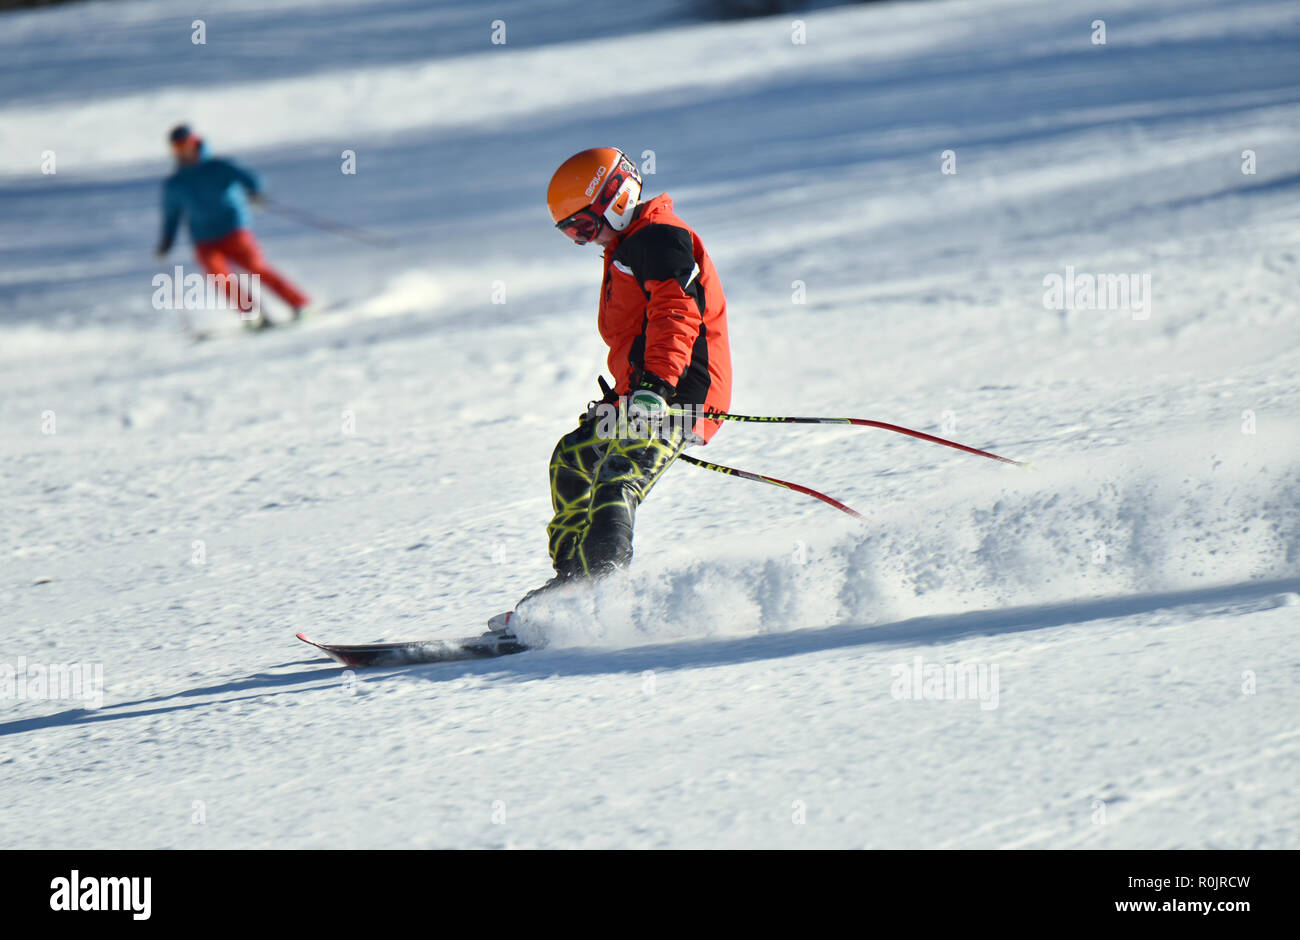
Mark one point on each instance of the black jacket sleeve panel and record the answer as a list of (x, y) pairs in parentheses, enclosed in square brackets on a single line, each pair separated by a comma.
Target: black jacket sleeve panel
[(673, 344), (659, 253)]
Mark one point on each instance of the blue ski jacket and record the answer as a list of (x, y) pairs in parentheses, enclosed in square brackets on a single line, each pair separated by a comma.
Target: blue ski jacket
[(211, 196)]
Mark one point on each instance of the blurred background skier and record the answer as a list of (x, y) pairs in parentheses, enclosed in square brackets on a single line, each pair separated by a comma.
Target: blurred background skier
[(664, 317), (209, 192)]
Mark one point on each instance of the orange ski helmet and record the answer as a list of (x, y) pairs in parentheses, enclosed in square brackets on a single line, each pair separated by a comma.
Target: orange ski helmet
[(592, 189)]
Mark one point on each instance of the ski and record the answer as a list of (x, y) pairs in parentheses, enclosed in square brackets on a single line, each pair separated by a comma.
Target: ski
[(420, 651), (200, 334)]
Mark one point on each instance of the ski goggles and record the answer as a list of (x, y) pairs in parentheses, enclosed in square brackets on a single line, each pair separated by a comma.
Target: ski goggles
[(583, 226)]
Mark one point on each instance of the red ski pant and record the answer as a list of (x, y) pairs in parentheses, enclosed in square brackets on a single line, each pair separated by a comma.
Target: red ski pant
[(241, 248)]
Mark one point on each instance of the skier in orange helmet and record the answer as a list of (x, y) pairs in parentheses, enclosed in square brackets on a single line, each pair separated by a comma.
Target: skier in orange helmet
[(663, 316)]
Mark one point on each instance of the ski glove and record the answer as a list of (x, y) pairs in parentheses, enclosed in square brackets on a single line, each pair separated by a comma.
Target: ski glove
[(650, 395)]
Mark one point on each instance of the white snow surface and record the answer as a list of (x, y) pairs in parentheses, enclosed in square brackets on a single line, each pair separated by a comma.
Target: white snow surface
[(380, 473)]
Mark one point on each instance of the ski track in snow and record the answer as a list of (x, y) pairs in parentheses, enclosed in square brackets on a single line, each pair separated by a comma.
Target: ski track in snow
[(380, 472)]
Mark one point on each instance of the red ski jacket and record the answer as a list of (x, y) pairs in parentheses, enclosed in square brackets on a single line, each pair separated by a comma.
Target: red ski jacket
[(662, 310)]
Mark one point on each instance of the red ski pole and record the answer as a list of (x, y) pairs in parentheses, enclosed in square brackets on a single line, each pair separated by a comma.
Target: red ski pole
[(745, 474), (863, 422), (860, 422)]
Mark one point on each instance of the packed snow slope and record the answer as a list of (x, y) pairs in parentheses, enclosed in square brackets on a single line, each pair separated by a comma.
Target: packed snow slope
[(174, 513)]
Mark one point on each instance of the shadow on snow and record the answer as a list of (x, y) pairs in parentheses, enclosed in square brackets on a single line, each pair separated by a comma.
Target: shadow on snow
[(682, 654)]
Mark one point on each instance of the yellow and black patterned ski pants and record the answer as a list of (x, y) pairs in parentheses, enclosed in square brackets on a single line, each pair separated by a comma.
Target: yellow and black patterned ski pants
[(597, 483)]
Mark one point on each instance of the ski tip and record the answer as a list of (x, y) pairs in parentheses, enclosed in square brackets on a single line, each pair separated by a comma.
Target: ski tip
[(303, 637)]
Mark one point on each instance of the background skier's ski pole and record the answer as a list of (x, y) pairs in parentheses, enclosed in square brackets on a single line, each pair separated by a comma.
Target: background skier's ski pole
[(773, 480), (329, 225), (863, 422)]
